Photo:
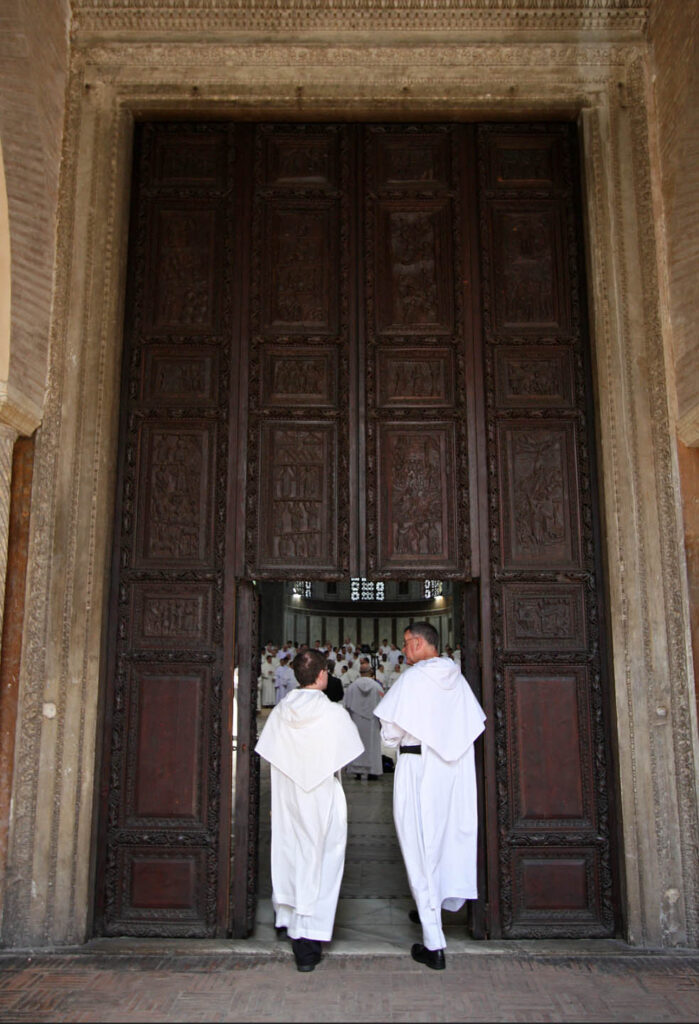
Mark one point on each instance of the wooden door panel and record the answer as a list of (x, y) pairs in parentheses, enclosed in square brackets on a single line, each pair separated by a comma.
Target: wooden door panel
[(161, 858), (539, 493), (417, 425), (417, 484), (550, 788), (298, 495)]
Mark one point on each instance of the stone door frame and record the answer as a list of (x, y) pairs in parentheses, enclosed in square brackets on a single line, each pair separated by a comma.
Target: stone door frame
[(49, 880)]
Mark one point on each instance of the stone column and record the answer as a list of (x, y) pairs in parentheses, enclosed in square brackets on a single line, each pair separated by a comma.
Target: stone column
[(8, 436)]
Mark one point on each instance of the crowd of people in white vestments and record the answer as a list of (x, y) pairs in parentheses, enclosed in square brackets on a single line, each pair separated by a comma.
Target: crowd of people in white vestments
[(386, 663)]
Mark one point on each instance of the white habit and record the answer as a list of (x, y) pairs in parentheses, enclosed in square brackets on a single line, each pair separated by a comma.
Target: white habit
[(361, 697), (284, 680), (306, 739), (434, 792)]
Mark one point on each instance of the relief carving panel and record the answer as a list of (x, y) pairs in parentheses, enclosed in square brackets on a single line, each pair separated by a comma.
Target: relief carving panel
[(525, 161), (544, 617), (188, 377), (415, 377), (299, 377), (185, 249), (175, 522), (307, 160), (414, 273), (414, 160), (528, 377), (416, 495), (186, 159), (296, 515), (300, 244), (171, 616), (529, 271), (540, 517)]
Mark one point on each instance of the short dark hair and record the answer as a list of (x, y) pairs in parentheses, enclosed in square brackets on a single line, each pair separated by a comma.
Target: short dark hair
[(427, 632), (307, 666)]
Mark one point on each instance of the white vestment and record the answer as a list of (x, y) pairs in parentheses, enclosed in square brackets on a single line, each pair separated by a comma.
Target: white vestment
[(361, 697), (284, 681), (266, 681), (306, 739), (434, 792)]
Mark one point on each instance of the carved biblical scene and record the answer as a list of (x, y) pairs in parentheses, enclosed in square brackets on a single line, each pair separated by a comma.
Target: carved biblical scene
[(549, 750), (298, 488), (187, 159), (300, 287), (415, 377), (540, 514), (186, 378), (544, 617), (528, 273), (414, 160), (173, 616), (416, 495), (414, 278), (525, 161), (299, 378), (185, 250), (530, 378), (300, 159), (176, 479)]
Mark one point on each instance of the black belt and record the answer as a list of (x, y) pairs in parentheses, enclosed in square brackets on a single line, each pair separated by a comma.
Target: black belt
[(416, 749)]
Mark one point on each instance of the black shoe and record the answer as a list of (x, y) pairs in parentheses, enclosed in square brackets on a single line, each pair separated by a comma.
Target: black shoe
[(280, 932), (372, 778), (433, 958), (307, 953), (414, 916)]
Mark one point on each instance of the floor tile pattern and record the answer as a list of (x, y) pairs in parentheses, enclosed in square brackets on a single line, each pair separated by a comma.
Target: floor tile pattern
[(495, 986)]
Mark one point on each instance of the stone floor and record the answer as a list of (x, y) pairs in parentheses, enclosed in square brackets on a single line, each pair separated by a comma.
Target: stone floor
[(366, 973)]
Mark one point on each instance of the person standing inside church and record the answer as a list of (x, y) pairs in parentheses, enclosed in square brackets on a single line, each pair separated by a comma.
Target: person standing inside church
[(307, 739), (283, 679), (361, 697), (432, 716)]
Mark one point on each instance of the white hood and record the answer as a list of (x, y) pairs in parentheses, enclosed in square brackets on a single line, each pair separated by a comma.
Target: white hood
[(308, 738), (432, 701)]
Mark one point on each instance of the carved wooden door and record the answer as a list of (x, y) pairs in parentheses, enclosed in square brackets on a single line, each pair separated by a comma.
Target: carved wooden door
[(549, 759), (353, 350), (163, 851)]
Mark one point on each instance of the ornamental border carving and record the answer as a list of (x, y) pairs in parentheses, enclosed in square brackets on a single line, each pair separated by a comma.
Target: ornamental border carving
[(110, 84)]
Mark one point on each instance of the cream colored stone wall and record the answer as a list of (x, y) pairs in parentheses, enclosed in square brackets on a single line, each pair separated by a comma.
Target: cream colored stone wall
[(586, 59)]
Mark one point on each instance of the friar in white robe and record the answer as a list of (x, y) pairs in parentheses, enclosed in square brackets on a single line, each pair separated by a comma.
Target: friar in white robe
[(307, 739), (284, 679), (361, 697), (432, 716), (266, 681)]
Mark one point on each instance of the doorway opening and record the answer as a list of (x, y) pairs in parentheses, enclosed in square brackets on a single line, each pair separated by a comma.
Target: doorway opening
[(352, 620)]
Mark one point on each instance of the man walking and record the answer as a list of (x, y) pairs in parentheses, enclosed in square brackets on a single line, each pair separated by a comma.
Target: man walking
[(432, 716), (306, 739)]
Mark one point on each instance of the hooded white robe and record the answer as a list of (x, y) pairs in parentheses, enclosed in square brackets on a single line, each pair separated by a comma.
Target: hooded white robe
[(307, 739), (361, 697), (434, 793)]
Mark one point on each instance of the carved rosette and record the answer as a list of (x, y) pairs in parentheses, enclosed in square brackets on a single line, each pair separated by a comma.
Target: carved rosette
[(550, 706)]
